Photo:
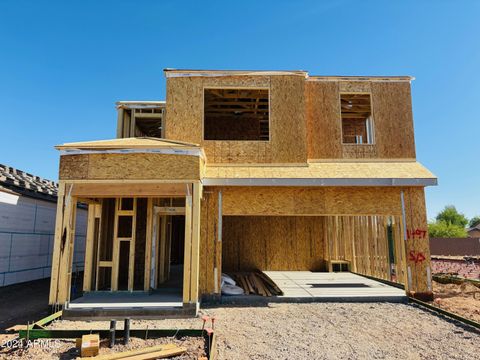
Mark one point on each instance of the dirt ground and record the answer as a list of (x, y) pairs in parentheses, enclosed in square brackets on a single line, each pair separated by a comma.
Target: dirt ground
[(26, 302), (323, 331), (463, 299)]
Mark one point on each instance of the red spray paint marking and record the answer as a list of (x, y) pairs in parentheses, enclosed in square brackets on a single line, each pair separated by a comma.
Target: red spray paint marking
[(416, 257), (417, 233)]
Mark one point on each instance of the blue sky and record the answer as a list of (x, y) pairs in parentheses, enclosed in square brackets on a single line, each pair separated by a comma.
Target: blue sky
[(64, 64)]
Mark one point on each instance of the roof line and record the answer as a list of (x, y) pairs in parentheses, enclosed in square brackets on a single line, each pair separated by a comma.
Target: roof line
[(360, 78), (190, 72), (319, 182), (171, 72)]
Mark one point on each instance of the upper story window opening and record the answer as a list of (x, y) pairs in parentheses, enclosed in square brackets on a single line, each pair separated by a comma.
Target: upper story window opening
[(357, 123), (236, 114)]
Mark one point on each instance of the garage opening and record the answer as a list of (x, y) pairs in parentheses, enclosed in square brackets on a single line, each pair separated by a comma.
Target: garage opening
[(341, 246)]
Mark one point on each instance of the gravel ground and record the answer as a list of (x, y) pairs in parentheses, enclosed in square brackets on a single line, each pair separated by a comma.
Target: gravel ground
[(65, 349), (327, 331)]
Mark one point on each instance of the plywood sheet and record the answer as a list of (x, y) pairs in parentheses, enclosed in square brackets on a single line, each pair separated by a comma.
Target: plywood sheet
[(393, 119), (325, 170), (135, 166), (311, 201), (272, 243), (324, 127), (184, 118)]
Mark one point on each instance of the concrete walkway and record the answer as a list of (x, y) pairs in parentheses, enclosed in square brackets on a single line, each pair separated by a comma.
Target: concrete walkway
[(324, 286)]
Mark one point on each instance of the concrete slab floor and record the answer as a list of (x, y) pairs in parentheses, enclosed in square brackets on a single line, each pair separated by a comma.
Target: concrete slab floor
[(298, 284)]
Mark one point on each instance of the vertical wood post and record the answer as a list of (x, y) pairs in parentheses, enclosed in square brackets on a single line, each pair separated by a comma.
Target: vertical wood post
[(188, 249), (417, 243), (89, 244), (196, 205), (57, 243), (148, 245)]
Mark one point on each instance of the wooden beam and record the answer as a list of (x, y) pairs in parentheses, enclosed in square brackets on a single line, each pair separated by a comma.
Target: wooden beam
[(116, 248), (89, 244), (131, 262), (148, 244), (187, 266), (66, 248), (120, 112), (161, 248), (167, 210), (57, 244), (102, 190), (195, 261)]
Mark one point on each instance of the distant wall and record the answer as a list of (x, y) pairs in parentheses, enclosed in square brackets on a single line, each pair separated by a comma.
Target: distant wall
[(26, 240), (455, 246)]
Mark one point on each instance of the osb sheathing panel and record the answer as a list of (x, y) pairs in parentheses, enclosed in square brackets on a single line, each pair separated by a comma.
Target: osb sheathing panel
[(73, 167), (359, 151), (272, 243), (355, 86), (324, 129), (137, 166), (418, 250), (210, 247), (311, 201), (184, 118), (392, 119)]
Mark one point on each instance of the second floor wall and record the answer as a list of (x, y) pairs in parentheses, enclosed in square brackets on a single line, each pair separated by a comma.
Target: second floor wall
[(288, 117)]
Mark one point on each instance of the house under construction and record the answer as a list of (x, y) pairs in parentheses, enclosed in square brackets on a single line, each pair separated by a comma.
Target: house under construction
[(239, 171)]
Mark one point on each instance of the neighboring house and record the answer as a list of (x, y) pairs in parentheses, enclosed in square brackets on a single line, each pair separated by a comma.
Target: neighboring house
[(474, 231), (243, 170), (27, 224)]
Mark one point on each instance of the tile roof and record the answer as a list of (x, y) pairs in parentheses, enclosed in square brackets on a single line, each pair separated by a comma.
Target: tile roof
[(27, 184)]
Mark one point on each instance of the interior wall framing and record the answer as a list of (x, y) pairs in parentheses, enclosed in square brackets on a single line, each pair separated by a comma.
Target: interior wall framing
[(352, 207)]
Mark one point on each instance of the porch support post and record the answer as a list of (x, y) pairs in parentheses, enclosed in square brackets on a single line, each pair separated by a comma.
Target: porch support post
[(192, 245), (56, 244), (196, 195), (63, 247), (188, 248)]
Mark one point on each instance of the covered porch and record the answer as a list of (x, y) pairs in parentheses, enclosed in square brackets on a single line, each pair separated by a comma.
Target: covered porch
[(142, 242)]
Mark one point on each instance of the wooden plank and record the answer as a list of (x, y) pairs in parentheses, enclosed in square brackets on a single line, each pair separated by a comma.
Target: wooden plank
[(57, 244), (162, 248), (89, 244), (99, 190), (66, 248), (104, 333), (46, 320), (116, 248), (148, 244), (120, 112), (177, 350), (188, 250), (173, 210), (131, 262), (195, 261), (124, 354), (105, 263), (98, 213)]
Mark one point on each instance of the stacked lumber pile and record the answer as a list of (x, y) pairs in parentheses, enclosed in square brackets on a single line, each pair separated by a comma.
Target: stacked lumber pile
[(256, 283)]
